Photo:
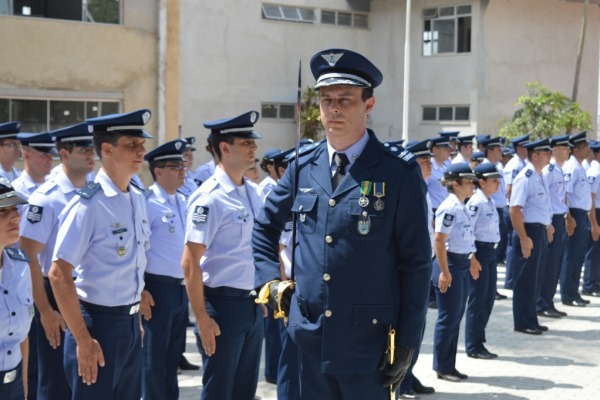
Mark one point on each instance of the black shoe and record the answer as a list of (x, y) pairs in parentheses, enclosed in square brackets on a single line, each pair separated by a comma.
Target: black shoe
[(418, 387), (449, 377), (561, 313), (432, 304), (549, 314), (494, 355), (584, 300), (593, 293), (574, 303), (542, 328), (529, 331), (408, 395), (185, 365), (500, 296), (482, 355)]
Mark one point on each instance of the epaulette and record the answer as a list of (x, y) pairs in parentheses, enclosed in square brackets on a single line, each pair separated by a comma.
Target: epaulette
[(400, 153), (46, 187), (89, 190), (551, 167), (142, 189), (198, 182), (528, 173), (209, 185), (16, 254)]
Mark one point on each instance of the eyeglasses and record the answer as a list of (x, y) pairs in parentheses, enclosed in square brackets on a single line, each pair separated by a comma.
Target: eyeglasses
[(178, 167)]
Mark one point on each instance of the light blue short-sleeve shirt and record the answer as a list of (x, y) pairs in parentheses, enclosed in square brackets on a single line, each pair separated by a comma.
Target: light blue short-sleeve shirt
[(530, 192), (553, 176), (452, 218), (485, 217), (579, 194)]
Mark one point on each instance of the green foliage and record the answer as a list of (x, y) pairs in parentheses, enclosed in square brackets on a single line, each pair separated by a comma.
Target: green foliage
[(544, 113), (310, 116)]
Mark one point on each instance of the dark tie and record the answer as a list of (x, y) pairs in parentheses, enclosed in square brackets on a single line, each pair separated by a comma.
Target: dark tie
[(341, 160)]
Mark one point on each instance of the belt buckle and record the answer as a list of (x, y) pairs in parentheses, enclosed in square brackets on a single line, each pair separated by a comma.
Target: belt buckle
[(495, 245), (10, 376), (134, 309)]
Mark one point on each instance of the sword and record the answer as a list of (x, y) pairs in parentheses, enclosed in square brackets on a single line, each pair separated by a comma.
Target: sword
[(296, 170)]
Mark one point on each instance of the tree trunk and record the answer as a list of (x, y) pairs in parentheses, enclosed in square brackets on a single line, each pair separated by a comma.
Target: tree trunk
[(580, 50)]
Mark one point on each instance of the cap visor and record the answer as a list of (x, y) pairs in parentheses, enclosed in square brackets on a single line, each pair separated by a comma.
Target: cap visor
[(339, 81)]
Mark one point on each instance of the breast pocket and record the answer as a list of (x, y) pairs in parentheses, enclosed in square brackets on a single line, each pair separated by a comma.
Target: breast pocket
[(364, 220), (26, 303), (120, 239), (306, 207)]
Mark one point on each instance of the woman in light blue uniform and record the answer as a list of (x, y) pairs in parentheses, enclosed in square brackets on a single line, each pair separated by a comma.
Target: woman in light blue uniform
[(482, 283), (454, 245), (16, 298)]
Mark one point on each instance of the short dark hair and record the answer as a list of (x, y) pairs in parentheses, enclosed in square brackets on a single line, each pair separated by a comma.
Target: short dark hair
[(156, 164), (66, 146), (217, 139), (367, 93), (105, 137)]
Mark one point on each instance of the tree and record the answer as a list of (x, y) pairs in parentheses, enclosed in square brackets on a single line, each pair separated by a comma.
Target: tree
[(544, 113), (310, 116)]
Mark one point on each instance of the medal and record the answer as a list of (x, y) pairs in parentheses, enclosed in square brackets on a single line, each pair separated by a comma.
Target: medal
[(364, 224), (379, 192), (365, 190), (172, 228), (121, 250)]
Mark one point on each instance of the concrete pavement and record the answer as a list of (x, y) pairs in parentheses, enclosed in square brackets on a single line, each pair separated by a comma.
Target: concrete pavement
[(560, 364)]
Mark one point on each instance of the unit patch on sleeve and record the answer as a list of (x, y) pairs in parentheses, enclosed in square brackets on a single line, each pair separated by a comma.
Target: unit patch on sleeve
[(200, 215), (34, 213)]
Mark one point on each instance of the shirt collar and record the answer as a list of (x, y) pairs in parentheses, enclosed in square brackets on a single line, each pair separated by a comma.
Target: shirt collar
[(224, 180), (352, 152), (64, 183), (108, 186)]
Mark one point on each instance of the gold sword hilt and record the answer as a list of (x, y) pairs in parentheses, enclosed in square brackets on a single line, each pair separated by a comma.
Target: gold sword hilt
[(391, 351)]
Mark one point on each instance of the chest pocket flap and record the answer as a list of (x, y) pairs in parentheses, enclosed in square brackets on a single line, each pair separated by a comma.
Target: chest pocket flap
[(305, 206)]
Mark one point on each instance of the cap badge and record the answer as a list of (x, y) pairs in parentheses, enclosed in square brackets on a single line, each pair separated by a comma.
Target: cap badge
[(177, 145), (253, 117), (18, 125), (146, 117), (332, 58), (90, 129)]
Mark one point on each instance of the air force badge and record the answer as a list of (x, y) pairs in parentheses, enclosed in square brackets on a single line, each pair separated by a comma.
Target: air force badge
[(200, 215), (448, 220), (34, 214)]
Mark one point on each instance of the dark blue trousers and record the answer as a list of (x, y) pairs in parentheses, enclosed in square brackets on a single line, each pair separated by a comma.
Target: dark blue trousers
[(232, 372), (288, 377), (574, 257), (272, 346), (32, 359), (451, 308), (482, 294), (164, 340), (591, 272), (510, 252), (501, 249), (317, 385), (407, 382), (13, 390), (52, 381), (551, 264), (526, 276), (119, 338)]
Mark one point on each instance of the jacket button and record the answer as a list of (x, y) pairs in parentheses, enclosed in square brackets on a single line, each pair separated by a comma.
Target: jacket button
[(326, 277), (328, 239), (374, 321), (328, 313), (332, 203)]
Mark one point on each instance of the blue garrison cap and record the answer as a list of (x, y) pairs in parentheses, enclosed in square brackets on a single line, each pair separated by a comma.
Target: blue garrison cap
[(420, 149), (8, 196), (9, 129), (520, 140), (562, 140), (578, 138), (477, 156), (507, 151), (130, 124), (459, 170), (450, 135), (344, 67), (538, 145), (487, 170), (594, 145), (443, 141), (170, 151), (490, 141), (241, 126), (39, 141), (80, 135), (465, 139), (189, 143)]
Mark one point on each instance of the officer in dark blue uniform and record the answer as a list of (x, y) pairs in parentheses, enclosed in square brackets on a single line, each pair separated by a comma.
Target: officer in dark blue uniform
[(362, 275), (531, 215)]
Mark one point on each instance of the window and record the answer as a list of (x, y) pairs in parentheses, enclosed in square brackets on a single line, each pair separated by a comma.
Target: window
[(345, 18), (102, 11), (288, 13), (278, 111), (447, 30), (446, 113), (45, 115)]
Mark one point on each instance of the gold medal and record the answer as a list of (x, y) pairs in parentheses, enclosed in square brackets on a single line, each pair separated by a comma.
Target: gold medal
[(121, 250), (379, 192)]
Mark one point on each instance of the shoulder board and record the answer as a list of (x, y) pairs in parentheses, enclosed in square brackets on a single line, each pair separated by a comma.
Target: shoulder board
[(400, 153), (550, 167), (142, 189), (528, 173), (89, 190), (209, 185), (17, 254), (47, 186), (198, 182)]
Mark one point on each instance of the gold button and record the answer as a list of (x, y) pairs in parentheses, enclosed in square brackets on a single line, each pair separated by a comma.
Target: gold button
[(328, 239), (374, 321), (332, 203), (328, 313), (326, 277)]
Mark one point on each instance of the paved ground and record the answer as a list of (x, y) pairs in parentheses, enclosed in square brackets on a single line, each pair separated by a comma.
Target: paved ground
[(560, 364)]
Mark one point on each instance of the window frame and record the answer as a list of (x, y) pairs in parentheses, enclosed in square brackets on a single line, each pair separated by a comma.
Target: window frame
[(347, 13), (288, 8), (439, 107), (278, 106), (431, 15)]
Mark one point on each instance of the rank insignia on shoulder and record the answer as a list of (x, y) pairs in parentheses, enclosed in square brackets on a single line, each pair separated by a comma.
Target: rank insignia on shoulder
[(448, 220), (400, 153), (200, 215), (551, 167), (473, 208), (198, 182), (90, 189), (515, 173), (528, 173), (591, 179), (567, 177), (16, 254), (34, 213)]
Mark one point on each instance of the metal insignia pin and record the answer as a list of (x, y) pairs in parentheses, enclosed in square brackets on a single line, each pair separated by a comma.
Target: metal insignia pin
[(121, 251), (364, 224)]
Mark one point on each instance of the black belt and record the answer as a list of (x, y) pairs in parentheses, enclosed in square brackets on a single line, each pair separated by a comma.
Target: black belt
[(536, 225), (228, 291), (459, 256), (9, 376), (129, 309), (491, 245), (163, 279)]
